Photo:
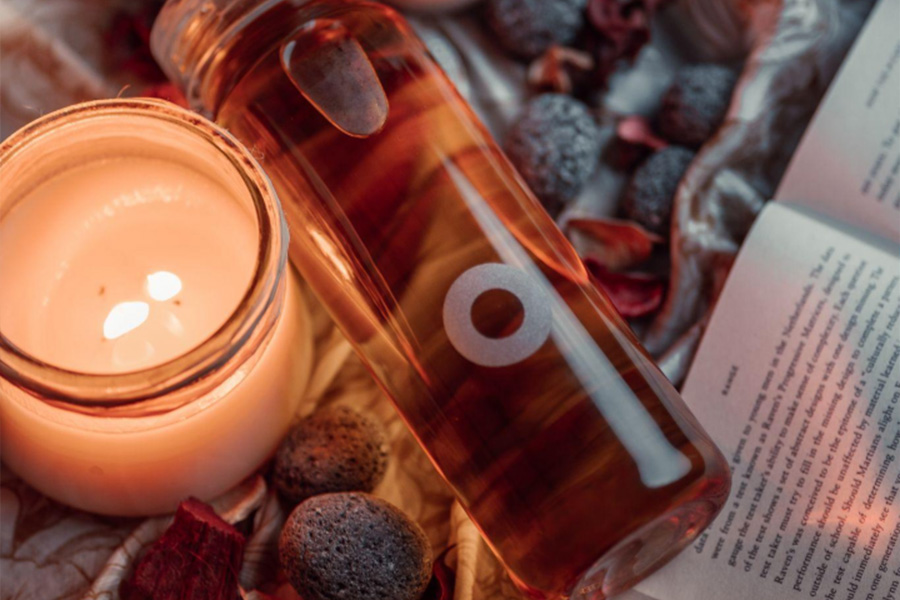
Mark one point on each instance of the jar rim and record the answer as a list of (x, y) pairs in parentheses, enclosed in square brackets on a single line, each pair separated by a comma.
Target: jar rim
[(241, 329)]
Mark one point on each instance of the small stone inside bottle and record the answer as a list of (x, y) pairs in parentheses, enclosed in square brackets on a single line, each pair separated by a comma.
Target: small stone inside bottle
[(332, 71)]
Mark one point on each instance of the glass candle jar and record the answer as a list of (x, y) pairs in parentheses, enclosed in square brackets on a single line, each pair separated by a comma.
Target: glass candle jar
[(574, 456), (153, 341)]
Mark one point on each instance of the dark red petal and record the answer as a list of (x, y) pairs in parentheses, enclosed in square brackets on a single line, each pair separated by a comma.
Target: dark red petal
[(623, 27), (613, 244), (608, 16), (443, 579), (635, 141), (633, 294)]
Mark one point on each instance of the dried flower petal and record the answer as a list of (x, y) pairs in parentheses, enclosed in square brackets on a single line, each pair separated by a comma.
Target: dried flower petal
[(613, 244), (635, 141), (636, 130), (557, 69), (443, 579), (624, 28), (633, 294)]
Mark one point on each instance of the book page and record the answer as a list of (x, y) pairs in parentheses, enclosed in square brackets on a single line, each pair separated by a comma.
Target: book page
[(797, 381), (848, 164)]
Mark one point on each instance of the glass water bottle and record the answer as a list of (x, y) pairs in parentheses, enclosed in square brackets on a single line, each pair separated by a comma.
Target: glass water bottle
[(572, 453)]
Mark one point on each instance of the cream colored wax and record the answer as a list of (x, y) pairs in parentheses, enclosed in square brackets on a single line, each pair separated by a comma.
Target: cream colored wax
[(122, 265)]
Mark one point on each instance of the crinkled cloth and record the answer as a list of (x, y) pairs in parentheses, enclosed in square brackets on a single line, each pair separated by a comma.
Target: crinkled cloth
[(51, 54)]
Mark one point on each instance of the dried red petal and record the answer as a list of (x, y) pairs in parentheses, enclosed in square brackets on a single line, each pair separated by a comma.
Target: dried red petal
[(198, 557), (636, 130), (618, 20), (635, 142), (443, 579), (633, 294), (624, 28), (613, 244)]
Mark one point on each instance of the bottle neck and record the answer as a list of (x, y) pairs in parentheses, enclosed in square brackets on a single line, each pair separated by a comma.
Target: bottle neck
[(194, 42)]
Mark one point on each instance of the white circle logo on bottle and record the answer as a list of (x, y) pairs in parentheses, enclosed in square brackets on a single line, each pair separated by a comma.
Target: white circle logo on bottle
[(496, 352)]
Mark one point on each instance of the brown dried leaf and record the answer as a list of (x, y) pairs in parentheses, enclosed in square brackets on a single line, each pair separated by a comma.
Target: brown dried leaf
[(613, 244), (557, 68)]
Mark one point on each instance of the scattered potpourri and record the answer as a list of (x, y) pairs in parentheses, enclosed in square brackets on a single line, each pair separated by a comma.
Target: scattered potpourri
[(595, 38), (554, 150)]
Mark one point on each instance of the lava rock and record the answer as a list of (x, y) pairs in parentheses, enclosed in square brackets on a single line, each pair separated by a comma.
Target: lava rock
[(529, 27), (696, 103), (651, 191), (354, 546), (335, 449), (555, 145)]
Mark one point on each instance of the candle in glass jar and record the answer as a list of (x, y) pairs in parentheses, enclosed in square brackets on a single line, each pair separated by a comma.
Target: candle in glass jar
[(154, 340), (131, 263)]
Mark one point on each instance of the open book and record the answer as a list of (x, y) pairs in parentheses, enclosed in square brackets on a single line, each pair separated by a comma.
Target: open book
[(798, 376)]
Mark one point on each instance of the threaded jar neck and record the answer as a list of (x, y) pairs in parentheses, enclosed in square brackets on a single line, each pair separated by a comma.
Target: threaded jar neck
[(192, 40)]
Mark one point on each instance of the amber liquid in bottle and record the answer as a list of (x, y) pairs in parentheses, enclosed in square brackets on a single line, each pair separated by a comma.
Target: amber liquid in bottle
[(574, 456)]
